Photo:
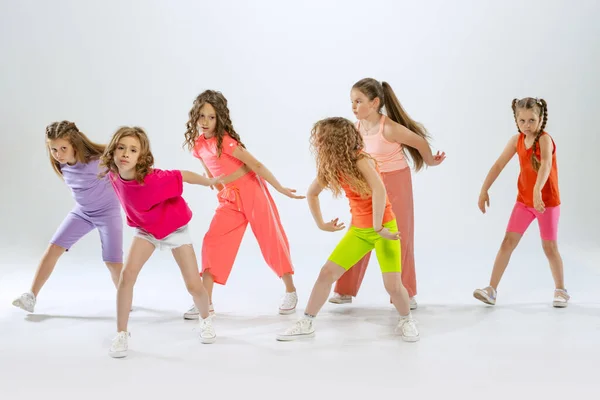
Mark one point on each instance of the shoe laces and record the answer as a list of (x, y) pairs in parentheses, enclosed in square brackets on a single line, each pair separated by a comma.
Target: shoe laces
[(193, 309), (300, 326), (407, 325), (120, 340), (561, 293), (289, 300), (206, 327)]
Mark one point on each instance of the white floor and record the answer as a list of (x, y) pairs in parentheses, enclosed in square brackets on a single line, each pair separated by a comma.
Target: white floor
[(520, 347)]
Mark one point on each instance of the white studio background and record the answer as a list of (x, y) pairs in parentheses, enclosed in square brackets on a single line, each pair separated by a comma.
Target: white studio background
[(455, 66)]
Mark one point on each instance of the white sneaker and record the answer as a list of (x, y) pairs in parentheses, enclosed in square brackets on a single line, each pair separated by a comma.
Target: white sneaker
[(194, 313), (26, 302), (413, 303), (340, 298), (302, 329), (288, 303), (561, 298), (207, 331), (486, 295), (119, 346), (408, 329)]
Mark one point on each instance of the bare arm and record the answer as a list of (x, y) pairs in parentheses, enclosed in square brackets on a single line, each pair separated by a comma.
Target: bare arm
[(261, 170), (546, 163), (312, 197), (507, 154), (315, 209), (367, 168), (195, 179), (402, 135)]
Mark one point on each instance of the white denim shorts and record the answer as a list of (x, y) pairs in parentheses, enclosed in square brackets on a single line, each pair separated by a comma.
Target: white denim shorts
[(176, 239)]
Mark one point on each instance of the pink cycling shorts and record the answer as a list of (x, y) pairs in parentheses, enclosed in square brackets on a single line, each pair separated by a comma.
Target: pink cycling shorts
[(522, 216)]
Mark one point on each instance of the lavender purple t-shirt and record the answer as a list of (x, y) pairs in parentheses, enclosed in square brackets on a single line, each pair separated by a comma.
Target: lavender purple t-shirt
[(93, 195)]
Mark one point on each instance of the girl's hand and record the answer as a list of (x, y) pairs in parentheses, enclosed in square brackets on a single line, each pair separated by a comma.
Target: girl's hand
[(438, 158), (215, 181), (385, 233), (332, 226), (212, 187), (290, 193), (538, 203), (483, 200)]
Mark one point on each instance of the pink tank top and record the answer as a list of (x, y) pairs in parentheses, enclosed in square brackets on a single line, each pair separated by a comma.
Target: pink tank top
[(389, 155)]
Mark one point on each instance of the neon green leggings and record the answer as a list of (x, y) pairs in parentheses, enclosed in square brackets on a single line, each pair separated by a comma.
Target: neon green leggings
[(359, 241)]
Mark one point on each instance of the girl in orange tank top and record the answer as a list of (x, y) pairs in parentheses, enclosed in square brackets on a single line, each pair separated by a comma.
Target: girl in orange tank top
[(387, 139), (538, 195), (343, 167)]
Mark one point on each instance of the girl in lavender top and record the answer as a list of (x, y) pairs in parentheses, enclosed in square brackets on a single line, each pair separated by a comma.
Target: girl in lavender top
[(75, 158)]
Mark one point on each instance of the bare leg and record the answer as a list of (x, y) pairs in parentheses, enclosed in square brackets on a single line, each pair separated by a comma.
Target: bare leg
[(288, 280), (209, 282), (188, 264), (139, 253), (398, 293), (330, 273), (303, 328), (115, 272), (556, 264), (509, 244), (46, 266)]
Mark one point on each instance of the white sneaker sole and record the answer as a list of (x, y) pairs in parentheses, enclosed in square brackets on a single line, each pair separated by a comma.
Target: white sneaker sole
[(189, 316), (411, 339), (291, 338), (287, 312), (118, 354), (19, 303), (336, 300), (559, 304), (208, 340), (483, 297)]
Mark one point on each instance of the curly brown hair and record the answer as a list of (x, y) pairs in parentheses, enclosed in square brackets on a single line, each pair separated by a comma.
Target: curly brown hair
[(373, 89), (224, 125), (539, 105), (338, 146), (85, 150), (145, 159)]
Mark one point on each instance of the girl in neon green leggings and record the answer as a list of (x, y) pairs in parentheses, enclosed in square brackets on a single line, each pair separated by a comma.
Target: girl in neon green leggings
[(342, 165)]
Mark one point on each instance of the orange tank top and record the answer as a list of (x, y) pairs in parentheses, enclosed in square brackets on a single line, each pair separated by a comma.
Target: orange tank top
[(362, 208), (389, 155), (528, 176)]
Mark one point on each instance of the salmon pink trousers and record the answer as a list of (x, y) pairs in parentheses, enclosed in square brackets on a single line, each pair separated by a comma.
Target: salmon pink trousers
[(246, 200), (398, 185)]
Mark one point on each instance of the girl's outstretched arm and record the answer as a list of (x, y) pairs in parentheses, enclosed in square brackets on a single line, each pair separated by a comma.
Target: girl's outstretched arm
[(244, 156), (315, 209), (195, 179), (507, 154), (367, 168)]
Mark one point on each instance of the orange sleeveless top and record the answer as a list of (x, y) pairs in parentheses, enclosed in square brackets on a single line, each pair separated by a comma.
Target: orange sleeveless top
[(389, 155), (362, 208), (528, 176)]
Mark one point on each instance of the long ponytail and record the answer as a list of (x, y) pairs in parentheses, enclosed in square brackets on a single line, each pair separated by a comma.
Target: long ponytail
[(373, 89)]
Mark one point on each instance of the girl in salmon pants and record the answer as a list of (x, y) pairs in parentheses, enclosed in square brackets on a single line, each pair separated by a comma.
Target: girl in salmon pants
[(243, 199), (386, 138)]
